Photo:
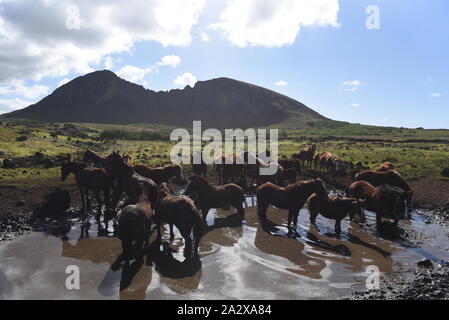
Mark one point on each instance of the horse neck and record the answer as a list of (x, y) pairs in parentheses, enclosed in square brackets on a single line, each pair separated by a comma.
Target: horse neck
[(205, 187)]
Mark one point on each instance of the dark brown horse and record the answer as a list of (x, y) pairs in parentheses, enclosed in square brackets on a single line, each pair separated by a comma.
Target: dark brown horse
[(255, 168), (88, 178), (181, 212), (129, 181), (336, 209), (390, 177), (306, 156), (93, 157), (229, 168), (210, 196), (385, 201), (161, 174), (291, 198)]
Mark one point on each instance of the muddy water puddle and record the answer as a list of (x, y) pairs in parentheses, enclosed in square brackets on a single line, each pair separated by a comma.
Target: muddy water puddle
[(238, 260)]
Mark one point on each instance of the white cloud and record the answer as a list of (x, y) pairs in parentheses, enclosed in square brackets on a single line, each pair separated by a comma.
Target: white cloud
[(131, 73), (352, 85), (281, 83), (204, 37), (170, 60), (35, 42), (273, 23), (355, 105), (18, 88), (436, 95), (108, 63), (185, 79), (13, 104)]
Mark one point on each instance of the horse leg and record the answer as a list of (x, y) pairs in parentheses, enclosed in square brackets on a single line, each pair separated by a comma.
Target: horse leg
[(86, 192), (172, 234), (338, 228), (100, 206), (83, 202), (204, 212)]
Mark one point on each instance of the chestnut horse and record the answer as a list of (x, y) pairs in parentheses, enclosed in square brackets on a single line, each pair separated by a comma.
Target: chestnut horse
[(87, 178), (330, 163), (386, 166), (161, 174), (254, 166), (291, 198), (129, 181), (385, 201), (306, 156), (181, 212), (210, 196), (390, 177), (336, 209)]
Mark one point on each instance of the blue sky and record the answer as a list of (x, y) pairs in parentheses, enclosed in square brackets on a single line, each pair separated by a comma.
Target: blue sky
[(397, 75)]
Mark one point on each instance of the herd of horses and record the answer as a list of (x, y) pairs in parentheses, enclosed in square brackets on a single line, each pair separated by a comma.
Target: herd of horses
[(150, 199)]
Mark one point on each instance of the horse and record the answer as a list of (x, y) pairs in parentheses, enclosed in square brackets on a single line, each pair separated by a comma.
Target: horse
[(385, 201), (87, 178), (91, 156), (390, 177), (229, 168), (254, 165), (181, 212), (134, 225), (199, 168), (210, 196), (386, 166), (129, 181), (161, 174), (306, 155), (290, 164), (291, 198), (336, 209), (330, 163), (290, 175)]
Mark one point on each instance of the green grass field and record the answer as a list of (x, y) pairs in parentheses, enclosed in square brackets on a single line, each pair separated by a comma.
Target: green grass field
[(416, 153)]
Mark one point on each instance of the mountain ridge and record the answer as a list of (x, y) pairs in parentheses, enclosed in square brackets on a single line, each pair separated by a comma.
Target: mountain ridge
[(103, 97)]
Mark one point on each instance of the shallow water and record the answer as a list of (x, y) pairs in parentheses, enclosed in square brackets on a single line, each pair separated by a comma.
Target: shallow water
[(238, 260)]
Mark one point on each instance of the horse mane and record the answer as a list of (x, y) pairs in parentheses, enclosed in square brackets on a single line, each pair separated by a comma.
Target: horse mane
[(204, 181)]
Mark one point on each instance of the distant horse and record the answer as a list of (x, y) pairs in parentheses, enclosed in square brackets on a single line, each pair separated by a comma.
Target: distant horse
[(199, 168), (254, 165), (210, 196), (306, 156), (386, 166), (390, 177), (91, 156), (385, 201), (291, 198), (161, 174), (336, 209), (129, 181), (87, 178), (181, 212), (331, 163), (290, 164)]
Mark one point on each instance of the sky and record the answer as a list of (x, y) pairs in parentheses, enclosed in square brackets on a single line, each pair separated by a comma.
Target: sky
[(379, 62)]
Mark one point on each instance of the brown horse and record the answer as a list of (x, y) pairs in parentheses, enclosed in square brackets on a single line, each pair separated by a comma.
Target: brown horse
[(91, 156), (291, 198), (385, 201), (306, 156), (331, 163), (129, 181), (210, 196), (87, 178), (255, 167), (290, 164), (336, 209), (386, 166), (390, 177), (181, 212), (229, 168), (161, 174)]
